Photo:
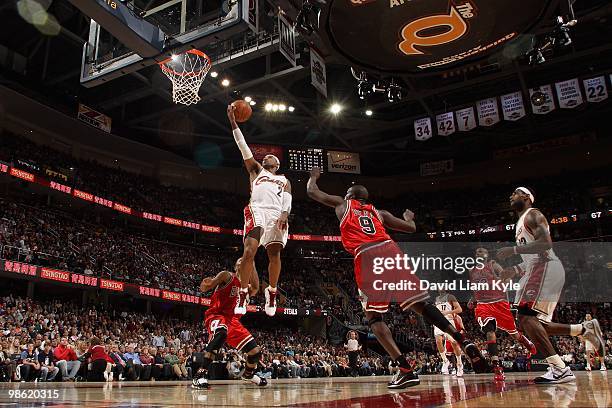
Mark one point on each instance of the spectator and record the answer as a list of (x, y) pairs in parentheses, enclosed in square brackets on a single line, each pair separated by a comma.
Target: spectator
[(133, 364), (66, 360), (29, 367), (46, 360)]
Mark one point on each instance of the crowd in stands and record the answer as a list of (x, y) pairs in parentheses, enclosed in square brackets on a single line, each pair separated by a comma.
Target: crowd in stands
[(61, 341), (442, 210)]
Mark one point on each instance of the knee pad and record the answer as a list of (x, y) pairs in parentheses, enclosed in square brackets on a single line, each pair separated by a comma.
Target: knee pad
[(217, 341), (491, 326)]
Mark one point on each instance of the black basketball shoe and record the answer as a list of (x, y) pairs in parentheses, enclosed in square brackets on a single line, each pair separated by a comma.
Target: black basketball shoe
[(403, 379)]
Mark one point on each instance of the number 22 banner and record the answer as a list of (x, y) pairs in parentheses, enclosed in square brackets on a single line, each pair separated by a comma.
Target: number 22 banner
[(596, 89)]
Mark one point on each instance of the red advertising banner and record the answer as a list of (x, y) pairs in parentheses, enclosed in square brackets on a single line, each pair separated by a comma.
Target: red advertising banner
[(111, 285), (24, 175), (84, 280), (173, 296), (54, 274), (83, 195), (21, 268), (143, 290)]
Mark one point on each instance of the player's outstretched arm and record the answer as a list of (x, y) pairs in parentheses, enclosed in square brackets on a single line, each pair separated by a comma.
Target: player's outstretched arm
[(210, 283), (536, 221), (403, 225), (281, 224), (251, 164), (312, 189)]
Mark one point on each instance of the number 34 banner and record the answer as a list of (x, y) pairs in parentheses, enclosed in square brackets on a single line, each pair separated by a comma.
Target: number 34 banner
[(422, 129)]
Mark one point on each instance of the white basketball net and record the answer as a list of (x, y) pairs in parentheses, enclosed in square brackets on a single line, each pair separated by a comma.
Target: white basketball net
[(187, 72)]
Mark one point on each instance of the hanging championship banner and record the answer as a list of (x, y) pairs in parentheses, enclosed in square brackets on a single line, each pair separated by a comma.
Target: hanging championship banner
[(596, 90), (422, 129), (437, 167), (318, 74), (445, 124), (466, 119), (488, 112), (542, 101), (569, 94), (513, 106), (286, 39)]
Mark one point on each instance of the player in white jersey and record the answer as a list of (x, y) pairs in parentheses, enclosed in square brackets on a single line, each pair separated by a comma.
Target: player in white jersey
[(265, 219), (593, 342), (541, 283), (447, 304)]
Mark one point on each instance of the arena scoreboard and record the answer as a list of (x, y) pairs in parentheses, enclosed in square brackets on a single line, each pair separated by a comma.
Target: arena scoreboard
[(305, 159)]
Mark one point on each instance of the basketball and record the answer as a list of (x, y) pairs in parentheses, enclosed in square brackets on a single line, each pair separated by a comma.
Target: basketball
[(243, 110)]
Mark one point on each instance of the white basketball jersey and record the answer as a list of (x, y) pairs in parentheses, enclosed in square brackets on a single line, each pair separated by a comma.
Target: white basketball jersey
[(443, 304), (267, 190), (524, 236)]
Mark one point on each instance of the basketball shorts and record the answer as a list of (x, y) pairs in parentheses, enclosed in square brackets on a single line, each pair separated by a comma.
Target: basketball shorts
[(374, 298), (498, 312), (438, 332), (266, 219), (237, 335), (540, 288), (595, 345)]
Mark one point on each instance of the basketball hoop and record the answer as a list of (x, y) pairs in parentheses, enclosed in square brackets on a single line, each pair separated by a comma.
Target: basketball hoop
[(187, 72)]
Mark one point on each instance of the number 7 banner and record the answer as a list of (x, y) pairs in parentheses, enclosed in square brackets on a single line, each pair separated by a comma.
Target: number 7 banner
[(445, 123), (466, 119)]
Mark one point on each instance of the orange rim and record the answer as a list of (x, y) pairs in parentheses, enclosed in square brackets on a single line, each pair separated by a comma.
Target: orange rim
[(199, 53)]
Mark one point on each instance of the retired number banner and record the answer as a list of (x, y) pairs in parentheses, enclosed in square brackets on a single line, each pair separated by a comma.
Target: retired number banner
[(466, 119), (445, 123), (595, 88), (422, 129)]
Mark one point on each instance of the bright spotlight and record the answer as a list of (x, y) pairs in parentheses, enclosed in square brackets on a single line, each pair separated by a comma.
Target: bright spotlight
[(291, 109), (252, 103), (268, 107), (225, 82), (174, 57), (274, 108), (248, 99), (368, 112), (282, 107), (214, 74), (335, 109)]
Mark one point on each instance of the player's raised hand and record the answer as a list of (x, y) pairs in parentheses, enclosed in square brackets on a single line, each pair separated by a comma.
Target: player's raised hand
[(206, 284), (408, 215), (230, 113), (315, 173)]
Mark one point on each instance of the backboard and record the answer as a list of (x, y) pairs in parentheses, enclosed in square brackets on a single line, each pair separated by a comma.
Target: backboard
[(187, 24)]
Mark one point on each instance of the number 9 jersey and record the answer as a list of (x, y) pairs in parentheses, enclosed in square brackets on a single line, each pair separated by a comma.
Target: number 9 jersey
[(361, 224)]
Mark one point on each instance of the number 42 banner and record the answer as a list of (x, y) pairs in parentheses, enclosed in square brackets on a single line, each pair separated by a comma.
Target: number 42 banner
[(445, 123)]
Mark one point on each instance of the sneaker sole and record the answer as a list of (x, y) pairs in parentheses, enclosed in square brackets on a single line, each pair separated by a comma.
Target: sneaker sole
[(407, 384), (559, 381)]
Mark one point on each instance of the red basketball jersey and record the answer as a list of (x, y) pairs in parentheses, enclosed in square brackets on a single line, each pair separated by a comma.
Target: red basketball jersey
[(486, 275), (224, 298), (361, 224)]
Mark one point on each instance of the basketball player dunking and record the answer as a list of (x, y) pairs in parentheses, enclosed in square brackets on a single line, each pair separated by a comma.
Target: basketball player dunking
[(493, 311), (224, 326), (594, 343), (447, 304), (265, 218), (364, 235), (541, 284)]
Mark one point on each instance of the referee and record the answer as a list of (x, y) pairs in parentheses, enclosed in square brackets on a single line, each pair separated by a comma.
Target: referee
[(352, 347)]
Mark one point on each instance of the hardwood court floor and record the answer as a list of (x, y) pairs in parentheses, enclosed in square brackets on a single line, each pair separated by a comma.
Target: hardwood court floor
[(590, 390)]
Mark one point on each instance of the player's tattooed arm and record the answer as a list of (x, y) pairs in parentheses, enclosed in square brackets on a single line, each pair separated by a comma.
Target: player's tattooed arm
[(312, 189), (210, 283), (252, 166), (406, 224), (537, 223)]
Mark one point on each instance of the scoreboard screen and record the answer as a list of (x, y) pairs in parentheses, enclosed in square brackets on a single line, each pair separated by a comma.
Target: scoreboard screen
[(305, 159)]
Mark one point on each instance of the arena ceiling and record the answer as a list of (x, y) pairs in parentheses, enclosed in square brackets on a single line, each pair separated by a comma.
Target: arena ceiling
[(140, 105)]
